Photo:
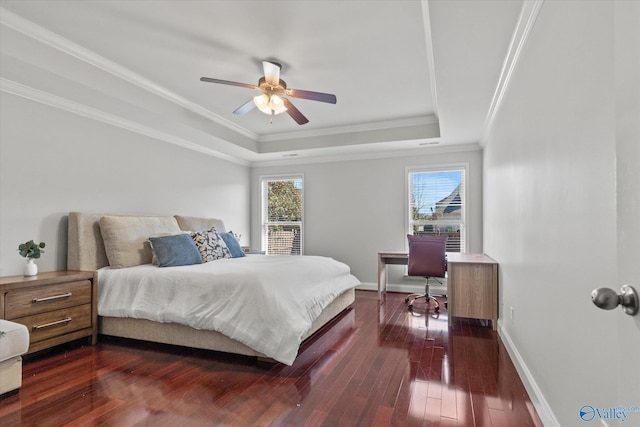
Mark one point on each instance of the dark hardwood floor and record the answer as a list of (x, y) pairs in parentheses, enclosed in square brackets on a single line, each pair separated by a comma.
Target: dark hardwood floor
[(377, 365)]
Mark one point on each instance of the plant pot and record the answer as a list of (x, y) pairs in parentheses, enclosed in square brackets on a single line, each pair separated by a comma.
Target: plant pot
[(30, 268)]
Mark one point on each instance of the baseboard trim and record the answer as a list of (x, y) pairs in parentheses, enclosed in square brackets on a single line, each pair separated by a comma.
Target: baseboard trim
[(407, 289), (535, 394)]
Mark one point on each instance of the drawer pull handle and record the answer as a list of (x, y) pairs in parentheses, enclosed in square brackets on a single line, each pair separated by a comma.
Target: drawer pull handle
[(46, 325), (68, 294)]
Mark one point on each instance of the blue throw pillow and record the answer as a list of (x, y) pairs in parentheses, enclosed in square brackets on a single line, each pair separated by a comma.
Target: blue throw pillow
[(232, 244), (172, 251)]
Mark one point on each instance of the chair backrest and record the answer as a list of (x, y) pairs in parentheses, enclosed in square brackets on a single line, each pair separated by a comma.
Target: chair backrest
[(427, 256)]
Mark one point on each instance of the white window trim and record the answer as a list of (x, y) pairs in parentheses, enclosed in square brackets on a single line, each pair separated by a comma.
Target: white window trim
[(437, 168), (280, 177)]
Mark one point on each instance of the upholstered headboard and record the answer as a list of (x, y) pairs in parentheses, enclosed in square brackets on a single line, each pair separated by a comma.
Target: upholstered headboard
[(86, 249), (85, 246)]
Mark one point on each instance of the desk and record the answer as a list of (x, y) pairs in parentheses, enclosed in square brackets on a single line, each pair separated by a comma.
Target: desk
[(384, 259), (472, 283)]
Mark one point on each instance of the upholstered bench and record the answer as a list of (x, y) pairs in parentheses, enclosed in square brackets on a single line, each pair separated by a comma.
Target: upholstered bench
[(14, 342)]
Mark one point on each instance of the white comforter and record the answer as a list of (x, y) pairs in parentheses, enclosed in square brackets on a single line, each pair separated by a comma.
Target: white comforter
[(266, 302)]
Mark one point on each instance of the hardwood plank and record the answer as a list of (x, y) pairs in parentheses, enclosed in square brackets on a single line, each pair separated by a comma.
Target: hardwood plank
[(448, 407), (377, 365), (382, 417)]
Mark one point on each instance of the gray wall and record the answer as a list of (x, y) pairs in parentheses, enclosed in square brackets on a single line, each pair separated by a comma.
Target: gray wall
[(53, 161), (355, 208), (550, 211)]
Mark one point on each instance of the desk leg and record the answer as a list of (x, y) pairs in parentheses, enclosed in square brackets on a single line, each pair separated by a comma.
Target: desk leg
[(382, 277)]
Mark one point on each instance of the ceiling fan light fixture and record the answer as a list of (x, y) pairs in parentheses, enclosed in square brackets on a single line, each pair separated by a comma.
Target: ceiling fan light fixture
[(262, 102), (277, 104), (269, 104)]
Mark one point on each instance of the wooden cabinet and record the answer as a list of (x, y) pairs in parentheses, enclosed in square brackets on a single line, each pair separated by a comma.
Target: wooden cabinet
[(473, 286), (56, 306)]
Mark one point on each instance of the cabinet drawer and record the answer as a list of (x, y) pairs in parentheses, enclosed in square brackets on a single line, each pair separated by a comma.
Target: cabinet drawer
[(55, 323), (41, 299)]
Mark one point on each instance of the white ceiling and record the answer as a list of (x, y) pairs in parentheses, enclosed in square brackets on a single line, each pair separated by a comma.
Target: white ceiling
[(407, 74)]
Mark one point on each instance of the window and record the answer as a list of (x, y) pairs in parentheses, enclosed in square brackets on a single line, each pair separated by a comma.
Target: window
[(282, 215), (437, 205)]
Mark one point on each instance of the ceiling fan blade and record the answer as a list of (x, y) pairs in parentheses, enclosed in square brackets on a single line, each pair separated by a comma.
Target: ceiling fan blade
[(245, 108), (294, 112), (271, 72), (227, 82), (314, 96)]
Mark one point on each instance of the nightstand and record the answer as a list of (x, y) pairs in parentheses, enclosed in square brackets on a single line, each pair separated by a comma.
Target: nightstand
[(56, 306), (247, 250)]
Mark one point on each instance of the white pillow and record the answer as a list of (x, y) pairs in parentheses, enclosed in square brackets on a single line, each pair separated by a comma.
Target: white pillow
[(126, 237), (194, 223)]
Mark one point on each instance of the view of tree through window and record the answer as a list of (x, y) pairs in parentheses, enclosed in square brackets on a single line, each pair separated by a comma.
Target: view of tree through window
[(285, 201), (282, 216), (436, 206)]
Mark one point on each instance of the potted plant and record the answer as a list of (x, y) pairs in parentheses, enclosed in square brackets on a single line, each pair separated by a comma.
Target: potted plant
[(31, 251)]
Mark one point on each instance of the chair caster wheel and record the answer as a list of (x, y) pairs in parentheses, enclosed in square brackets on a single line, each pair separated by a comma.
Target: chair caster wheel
[(406, 300)]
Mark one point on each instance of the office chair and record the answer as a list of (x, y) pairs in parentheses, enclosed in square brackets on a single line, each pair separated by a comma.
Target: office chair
[(427, 258)]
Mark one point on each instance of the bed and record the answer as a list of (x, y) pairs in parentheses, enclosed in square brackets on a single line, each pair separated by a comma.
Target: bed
[(255, 305)]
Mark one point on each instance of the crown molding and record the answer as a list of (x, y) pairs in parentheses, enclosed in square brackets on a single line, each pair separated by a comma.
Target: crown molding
[(426, 19), (288, 160), (18, 89), (362, 127), (528, 15), (36, 32), (45, 98)]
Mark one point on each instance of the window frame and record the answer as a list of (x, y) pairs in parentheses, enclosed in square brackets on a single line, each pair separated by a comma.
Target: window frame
[(445, 167), (264, 224)]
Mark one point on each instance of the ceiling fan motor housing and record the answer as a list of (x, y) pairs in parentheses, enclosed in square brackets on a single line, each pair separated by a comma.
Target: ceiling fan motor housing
[(280, 90)]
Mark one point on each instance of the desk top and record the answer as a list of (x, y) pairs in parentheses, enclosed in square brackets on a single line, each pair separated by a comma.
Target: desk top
[(452, 257), (393, 254)]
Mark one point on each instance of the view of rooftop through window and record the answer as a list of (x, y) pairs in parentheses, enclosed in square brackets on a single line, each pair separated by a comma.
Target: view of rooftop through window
[(436, 205)]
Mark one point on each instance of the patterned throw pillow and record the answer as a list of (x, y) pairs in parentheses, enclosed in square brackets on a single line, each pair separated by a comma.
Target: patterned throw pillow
[(210, 245)]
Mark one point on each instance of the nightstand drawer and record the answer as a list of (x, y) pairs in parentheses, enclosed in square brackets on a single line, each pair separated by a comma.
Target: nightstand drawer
[(41, 299), (55, 323)]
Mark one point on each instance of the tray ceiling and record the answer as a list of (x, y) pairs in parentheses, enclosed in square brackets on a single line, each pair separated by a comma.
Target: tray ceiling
[(408, 75)]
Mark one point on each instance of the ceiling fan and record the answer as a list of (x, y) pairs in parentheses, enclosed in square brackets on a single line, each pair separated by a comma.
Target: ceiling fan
[(274, 92)]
